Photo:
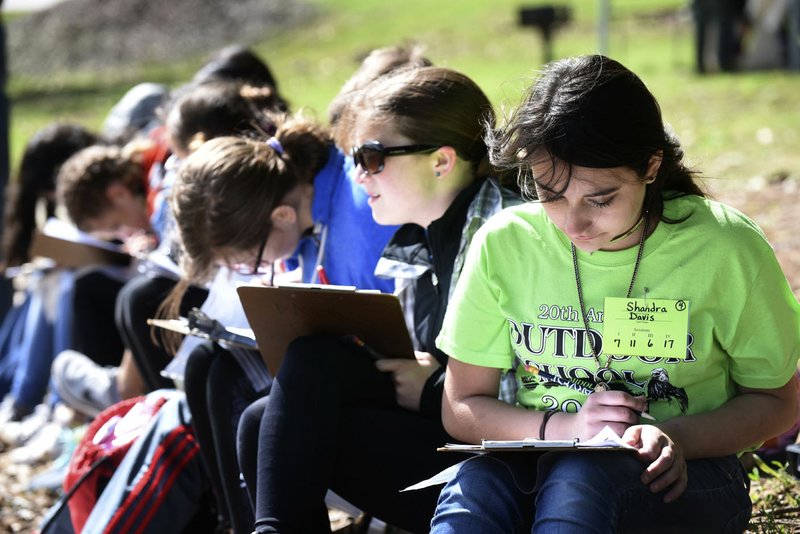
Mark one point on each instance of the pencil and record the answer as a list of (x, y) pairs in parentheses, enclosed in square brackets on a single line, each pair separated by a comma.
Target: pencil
[(360, 343)]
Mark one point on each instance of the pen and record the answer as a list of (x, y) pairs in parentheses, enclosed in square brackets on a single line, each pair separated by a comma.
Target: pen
[(531, 368), (322, 276), (570, 384), (278, 267), (358, 342)]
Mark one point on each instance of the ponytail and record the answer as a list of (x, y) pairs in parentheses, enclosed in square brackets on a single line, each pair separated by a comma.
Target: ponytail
[(225, 192), (306, 144)]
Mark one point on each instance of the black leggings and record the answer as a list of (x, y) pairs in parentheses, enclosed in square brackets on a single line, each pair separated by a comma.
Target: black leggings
[(331, 422), (94, 332), (110, 315), (138, 301), (218, 392)]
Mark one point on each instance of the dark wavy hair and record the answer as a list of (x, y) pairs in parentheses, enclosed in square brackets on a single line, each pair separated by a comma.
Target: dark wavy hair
[(216, 109), (44, 154), (83, 180), (591, 111), (240, 64)]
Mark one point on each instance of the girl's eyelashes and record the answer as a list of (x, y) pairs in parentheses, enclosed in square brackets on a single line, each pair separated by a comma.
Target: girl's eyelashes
[(600, 203), (544, 198)]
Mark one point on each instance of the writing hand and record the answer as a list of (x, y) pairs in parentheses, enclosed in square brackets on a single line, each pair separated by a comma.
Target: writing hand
[(616, 409), (666, 469), (282, 276), (139, 243), (409, 377)]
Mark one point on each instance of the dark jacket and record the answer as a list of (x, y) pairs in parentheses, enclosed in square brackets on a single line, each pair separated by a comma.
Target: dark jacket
[(436, 248)]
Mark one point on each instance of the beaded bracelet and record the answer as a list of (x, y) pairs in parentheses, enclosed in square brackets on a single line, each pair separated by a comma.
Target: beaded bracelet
[(547, 416)]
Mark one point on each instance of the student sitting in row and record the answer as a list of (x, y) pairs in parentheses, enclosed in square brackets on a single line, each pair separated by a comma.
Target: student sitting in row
[(619, 215), (103, 189), (335, 418), (33, 332), (212, 373), (251, 204)]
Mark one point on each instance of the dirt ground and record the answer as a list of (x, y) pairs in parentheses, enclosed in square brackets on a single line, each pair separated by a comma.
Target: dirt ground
[(772, 204)]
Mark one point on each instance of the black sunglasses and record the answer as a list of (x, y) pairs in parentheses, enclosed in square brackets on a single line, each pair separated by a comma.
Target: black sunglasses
[(371, 156)]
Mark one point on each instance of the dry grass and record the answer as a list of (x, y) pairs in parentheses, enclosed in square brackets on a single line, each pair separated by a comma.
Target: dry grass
[(776, 499)]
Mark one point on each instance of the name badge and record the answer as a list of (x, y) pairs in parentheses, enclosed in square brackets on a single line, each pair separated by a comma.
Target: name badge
[(656, 328)]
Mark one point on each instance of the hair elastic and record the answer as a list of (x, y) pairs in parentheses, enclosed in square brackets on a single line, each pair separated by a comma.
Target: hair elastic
[(275, 145), (545, 418), (632, 229)]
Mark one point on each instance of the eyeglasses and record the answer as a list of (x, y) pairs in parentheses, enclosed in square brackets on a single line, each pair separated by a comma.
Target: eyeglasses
[(371, 156), (258, 267)]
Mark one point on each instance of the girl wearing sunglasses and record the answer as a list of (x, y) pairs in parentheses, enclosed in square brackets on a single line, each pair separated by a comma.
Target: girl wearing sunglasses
[(336, 418), (620, 225)]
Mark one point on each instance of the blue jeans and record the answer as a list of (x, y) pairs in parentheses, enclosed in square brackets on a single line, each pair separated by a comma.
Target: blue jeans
[(31, 335), (47, 333), (584, 492)]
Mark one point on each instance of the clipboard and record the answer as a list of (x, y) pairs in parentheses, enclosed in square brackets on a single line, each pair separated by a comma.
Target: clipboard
[(533, 445), (280, 314), (69, 253), (605, 440), (211, 330)]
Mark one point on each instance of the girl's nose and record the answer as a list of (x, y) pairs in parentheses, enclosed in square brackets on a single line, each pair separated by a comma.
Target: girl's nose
[(361, 176), (576, 222)]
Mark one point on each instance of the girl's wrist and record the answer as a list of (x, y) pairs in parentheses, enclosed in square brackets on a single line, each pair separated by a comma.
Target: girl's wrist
[(543, 425)]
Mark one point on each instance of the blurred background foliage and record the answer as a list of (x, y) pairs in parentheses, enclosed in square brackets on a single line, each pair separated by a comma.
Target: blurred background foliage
[(734, 125)]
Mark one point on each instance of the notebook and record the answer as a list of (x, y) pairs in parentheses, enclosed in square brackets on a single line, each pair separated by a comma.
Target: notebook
[(72, 248)]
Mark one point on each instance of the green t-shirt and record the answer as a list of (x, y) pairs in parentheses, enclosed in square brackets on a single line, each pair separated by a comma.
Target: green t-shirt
[(517, 296)]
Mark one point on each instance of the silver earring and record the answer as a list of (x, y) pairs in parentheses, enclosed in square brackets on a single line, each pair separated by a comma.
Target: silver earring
[(437, 174)]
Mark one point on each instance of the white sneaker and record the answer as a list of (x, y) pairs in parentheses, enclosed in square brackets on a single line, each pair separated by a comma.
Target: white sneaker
[(51, 479), (11, 411), (7, 409), (44, 446), (16, 433), (50, 440), (82, 384)]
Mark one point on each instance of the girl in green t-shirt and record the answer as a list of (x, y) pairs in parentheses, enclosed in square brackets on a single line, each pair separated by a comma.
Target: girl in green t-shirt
[(706, 344)]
